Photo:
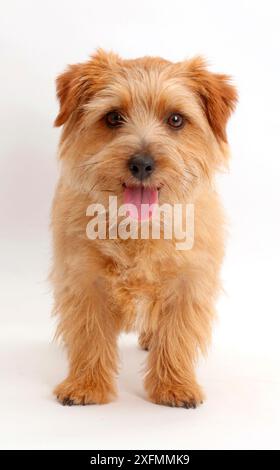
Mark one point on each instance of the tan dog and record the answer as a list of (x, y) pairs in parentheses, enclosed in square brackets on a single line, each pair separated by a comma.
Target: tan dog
[(158, 129)]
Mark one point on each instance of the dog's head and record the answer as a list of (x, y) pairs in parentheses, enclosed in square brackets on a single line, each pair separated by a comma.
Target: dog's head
[(142, 128)]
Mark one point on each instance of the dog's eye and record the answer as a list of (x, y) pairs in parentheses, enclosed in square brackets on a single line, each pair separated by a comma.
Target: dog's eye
[(114, 119), (175, 120)]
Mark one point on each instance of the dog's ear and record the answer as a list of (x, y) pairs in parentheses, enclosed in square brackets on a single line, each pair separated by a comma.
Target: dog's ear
[(80, 82), (217, 95), (71, 90)]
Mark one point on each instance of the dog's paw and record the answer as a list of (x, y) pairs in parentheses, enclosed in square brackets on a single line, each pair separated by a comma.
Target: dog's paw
[(177, 396), (77, 392)]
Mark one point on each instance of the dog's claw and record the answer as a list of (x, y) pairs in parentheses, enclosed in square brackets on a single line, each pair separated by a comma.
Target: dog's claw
[(186, 404), (67, 402), (189, 404)]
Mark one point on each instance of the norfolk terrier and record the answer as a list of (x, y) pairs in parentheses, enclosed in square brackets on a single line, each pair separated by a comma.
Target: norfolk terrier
[(145, 131)]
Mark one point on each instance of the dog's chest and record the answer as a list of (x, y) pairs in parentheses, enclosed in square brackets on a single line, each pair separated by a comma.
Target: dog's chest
[(138, 269), (138, 277)]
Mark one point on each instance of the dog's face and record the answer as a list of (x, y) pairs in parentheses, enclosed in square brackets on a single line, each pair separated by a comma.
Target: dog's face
[(142, 129)]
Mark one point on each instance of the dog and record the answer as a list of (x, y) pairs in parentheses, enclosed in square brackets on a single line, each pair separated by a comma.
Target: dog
[(156, 130)]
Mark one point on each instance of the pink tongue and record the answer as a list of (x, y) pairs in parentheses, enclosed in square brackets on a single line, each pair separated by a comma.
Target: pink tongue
[(142, 199)]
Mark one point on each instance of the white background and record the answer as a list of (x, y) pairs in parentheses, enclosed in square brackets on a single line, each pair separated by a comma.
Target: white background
[(241, 374)]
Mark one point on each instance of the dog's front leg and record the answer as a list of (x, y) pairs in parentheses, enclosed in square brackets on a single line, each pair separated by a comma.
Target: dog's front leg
[(89, 327), (183, 328)]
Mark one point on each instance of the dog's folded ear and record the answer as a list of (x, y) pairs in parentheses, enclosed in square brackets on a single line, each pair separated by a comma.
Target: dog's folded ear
[(72, 90), (79, 83), (217, 95)]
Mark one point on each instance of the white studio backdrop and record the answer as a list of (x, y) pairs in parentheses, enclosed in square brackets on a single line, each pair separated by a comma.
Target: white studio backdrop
[(37, 40)]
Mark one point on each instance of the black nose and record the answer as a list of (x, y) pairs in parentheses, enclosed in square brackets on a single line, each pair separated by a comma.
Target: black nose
[(141, 166)]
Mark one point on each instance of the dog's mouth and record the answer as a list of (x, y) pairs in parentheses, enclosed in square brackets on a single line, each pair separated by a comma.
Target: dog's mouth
[(142, 201)]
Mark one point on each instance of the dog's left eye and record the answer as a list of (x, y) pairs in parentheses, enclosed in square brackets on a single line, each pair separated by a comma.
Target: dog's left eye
[(114, 119), (175, 120)]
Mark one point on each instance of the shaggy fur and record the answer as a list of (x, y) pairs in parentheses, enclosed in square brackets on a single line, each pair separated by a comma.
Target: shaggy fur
[(102, 287)]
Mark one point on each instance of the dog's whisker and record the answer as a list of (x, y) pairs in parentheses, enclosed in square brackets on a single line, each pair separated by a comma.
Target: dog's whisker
[(92, 188), (191, 173), (87, 164)]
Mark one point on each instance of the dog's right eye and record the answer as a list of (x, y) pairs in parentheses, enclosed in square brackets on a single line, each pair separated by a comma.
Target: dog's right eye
[(114, 119)]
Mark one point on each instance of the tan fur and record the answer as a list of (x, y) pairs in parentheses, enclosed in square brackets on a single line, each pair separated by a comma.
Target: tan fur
[(99, 283)]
